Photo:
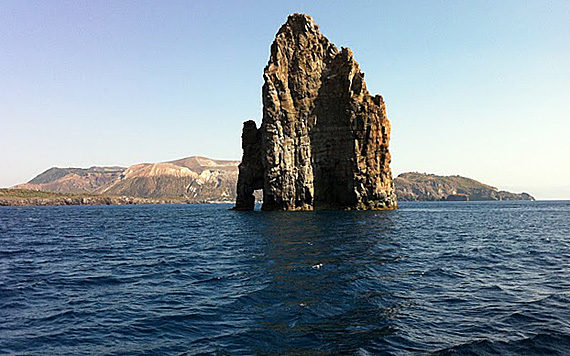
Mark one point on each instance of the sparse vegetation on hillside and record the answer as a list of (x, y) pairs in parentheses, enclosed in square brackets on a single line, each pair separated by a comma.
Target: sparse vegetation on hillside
[(22, 197), (56, 173), (23, 193)]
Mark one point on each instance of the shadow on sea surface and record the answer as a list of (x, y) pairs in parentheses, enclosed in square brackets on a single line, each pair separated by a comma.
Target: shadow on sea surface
[(325, 274)]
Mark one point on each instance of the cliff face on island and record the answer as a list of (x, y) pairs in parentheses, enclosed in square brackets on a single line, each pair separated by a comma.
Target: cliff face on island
[(323, 141), (429, 187)]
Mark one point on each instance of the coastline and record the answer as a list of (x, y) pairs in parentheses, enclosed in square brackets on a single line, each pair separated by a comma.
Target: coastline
[(19, 197)]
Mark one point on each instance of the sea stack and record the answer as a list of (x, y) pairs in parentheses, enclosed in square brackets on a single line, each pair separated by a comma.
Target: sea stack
[(323, 140)]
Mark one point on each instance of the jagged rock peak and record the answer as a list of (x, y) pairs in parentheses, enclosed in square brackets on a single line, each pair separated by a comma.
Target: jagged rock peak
[(323, 141), (299, 23)]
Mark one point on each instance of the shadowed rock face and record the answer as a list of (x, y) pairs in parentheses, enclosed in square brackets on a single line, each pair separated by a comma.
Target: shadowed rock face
[(323, 141), (250, 169)]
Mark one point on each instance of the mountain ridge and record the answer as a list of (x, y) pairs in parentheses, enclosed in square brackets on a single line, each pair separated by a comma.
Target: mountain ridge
[(195, 178)]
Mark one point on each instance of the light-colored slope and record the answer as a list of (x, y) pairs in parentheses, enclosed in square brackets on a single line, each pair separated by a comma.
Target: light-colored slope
[(199, 164), (158, 169), (197, 178)]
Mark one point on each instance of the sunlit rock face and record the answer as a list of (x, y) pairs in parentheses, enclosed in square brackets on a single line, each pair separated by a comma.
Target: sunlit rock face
[(323, 141)]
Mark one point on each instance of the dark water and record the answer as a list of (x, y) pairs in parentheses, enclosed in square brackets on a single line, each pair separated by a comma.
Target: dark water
[(444, 278)]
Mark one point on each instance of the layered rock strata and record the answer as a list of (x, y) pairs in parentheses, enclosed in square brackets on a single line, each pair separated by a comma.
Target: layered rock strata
[(323, 141)]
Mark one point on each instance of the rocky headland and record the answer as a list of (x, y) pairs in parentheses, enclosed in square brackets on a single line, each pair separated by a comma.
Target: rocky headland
[(323, 140), (430, 187)]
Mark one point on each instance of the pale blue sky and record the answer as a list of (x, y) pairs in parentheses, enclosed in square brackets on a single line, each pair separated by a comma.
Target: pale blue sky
[(476, 88)]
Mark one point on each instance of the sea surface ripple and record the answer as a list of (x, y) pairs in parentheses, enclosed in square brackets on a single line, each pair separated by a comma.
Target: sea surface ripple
[(448, 278)]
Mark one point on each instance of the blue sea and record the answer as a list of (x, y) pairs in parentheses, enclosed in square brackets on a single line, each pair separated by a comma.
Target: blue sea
[(435, 278)]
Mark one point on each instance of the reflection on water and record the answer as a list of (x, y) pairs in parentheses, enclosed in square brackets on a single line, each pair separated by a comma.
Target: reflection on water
[(326, 281)]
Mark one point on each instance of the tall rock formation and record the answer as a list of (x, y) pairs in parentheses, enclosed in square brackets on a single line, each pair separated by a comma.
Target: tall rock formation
[(323, 141)]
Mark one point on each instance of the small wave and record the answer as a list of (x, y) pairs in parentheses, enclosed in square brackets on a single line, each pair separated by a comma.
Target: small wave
[(520, 317), (555, 298), (540, 344), (85, 281), (208, 280), (62, 316), (9, 253)]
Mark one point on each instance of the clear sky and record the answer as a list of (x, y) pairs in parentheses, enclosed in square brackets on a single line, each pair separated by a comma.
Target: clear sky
[(475, 88)]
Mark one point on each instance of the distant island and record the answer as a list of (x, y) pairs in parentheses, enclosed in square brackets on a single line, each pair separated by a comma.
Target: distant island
[(430, 187), (204, 180), (196, 179)]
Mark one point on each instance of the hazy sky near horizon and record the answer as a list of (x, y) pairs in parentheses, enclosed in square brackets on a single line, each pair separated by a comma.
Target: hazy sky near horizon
[(475, 88)]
